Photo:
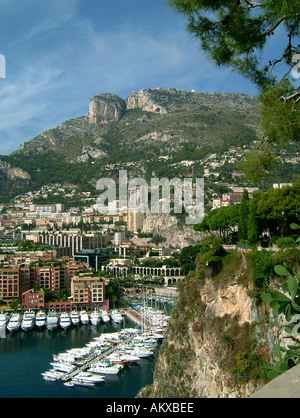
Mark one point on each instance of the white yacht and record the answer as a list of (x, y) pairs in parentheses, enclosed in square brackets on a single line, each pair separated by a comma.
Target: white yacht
[(106, 367), (28, 320), (40, 319), (4, 318), (104, 316), (63, 366), (95, 318), (88, 377), (116, 316), (52, 375), (84, 318), (64, 320), (14, 323), (75, 318), (52, 320)]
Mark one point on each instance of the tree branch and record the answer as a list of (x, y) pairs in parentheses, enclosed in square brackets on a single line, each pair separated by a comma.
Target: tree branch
[(253, 3), (275, 26), (291, 97)]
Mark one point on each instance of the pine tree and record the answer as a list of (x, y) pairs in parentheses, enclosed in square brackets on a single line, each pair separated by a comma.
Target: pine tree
[(244, 213), (253, 231)]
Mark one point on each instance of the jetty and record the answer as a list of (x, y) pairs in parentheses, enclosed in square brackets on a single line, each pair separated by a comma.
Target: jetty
[(95, 359)]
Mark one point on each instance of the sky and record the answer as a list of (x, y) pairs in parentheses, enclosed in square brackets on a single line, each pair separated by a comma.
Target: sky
[(59, 54)]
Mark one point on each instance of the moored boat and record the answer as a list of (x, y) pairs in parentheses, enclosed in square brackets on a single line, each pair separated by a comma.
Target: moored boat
[(52, 320), (104, 316), (65, 320), (28, 320), (4, 318), (14, 323), (40, 319), (116, 316), (75, 318), (84, 318), (95, 318), (88, 377)]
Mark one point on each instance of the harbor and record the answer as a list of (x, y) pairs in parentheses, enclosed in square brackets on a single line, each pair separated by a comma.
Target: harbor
[(103, 357)]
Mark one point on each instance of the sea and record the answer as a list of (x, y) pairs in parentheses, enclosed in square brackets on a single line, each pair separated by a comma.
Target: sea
[(25, 355)]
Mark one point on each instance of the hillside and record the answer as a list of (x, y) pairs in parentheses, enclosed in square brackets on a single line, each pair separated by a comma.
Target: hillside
[(151, 132), (162, 132), (220, 334)]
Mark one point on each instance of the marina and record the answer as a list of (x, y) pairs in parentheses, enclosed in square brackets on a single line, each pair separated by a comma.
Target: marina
[(89, 361)]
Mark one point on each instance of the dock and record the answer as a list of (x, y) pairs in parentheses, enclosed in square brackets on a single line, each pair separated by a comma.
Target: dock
[(135, 317), (95, 359)]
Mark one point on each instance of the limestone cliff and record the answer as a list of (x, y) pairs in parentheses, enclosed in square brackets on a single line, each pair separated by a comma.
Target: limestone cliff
[(176, 233), (217, 337), (142, 99), (106, 108)]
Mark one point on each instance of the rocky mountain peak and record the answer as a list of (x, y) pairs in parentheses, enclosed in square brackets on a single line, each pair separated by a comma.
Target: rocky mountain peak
[(145, 101), (105, 108)]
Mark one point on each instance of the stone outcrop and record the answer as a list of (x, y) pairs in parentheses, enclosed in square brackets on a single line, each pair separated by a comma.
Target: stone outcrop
[(215, 332), (143, 100), (13, 173), (175, 233), (106, 108)]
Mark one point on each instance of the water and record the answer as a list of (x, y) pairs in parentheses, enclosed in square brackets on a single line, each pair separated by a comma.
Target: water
[(25, 355)]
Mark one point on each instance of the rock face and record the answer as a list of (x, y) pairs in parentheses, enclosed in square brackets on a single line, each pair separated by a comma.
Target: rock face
[(13, 173), (142, 99), (215, 334), (176, 234), (106, 108)]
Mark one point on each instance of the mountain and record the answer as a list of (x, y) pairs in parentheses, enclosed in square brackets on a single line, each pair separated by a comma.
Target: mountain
[(150, 133)]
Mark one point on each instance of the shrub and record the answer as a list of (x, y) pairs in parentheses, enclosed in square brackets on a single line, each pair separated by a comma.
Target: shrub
[(285, 242), (262, 265)]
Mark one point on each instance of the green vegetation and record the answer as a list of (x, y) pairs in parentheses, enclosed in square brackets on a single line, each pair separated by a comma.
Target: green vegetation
[(271, 211), (235, 34), (286, 302)]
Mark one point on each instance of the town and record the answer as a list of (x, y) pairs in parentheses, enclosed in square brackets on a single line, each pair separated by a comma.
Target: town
[(63, 259)]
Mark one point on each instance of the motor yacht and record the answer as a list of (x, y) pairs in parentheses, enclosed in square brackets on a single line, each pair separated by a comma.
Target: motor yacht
[(75, 318), (104, 316), (52, 320), (65, 320), (63, 366), (84, 318), (95, 318), (4, 318), (14, 323), (28, 320), (116, 316), (40, 319), (88, 377), (106, 367)]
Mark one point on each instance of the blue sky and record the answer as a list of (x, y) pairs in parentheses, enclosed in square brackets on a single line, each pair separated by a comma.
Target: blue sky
[(61, 53)]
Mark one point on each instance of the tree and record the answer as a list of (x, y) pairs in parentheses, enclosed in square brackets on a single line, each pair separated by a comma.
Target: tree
[(234, 34), (244, 213), (187, 258), (220, 221), (275, 207), (253, 230)]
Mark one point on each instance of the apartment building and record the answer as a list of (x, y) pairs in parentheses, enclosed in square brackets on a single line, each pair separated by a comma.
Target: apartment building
[(33, 299), (9, 284), (87, 290)]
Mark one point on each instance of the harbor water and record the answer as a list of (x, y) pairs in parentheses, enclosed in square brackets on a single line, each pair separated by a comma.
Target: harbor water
[(25, 355)]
